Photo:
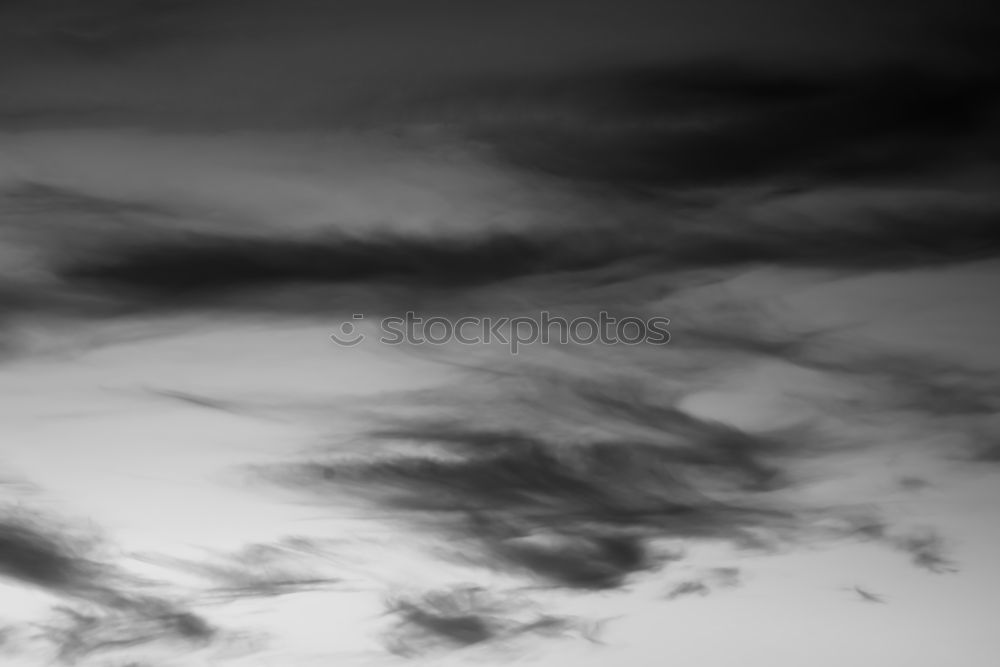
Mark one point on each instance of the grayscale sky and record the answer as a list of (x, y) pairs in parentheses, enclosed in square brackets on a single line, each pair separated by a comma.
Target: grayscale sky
[(194, 196)]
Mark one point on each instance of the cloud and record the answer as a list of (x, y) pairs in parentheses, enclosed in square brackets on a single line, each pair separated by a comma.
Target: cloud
[(927, 549), (99, 606), (688, 588), (727, 577), (226, 225), (261, 570), (577, 478), (715, 578), (202, 270), (184, 63), (987, 453), (41, 556), (572, 510), (463, 617), (930, 387), (217, 265), (717, 125), (77, 633), (868, 596), (199, 401)]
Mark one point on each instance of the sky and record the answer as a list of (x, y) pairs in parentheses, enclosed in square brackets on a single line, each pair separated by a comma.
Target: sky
[(199, 199)]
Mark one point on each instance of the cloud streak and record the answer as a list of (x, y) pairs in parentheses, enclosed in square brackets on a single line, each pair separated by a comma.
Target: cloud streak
[(100, 607)]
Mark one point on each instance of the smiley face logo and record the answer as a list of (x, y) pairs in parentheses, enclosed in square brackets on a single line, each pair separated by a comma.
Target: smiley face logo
[(347, 335)]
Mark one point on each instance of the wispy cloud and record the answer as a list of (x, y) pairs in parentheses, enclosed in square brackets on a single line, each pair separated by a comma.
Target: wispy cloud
[(867, 596), (927, 549), (575, 510), (99, 606), (468, 616)]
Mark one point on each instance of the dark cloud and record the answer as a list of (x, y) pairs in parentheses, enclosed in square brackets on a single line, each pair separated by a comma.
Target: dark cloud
[(988, 452), (199, 270), (577, 482), (79, 632), (576, 511), (101, 607), (40, 555), (466, 616), (709, 127), (213, 265), (183, 62)]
